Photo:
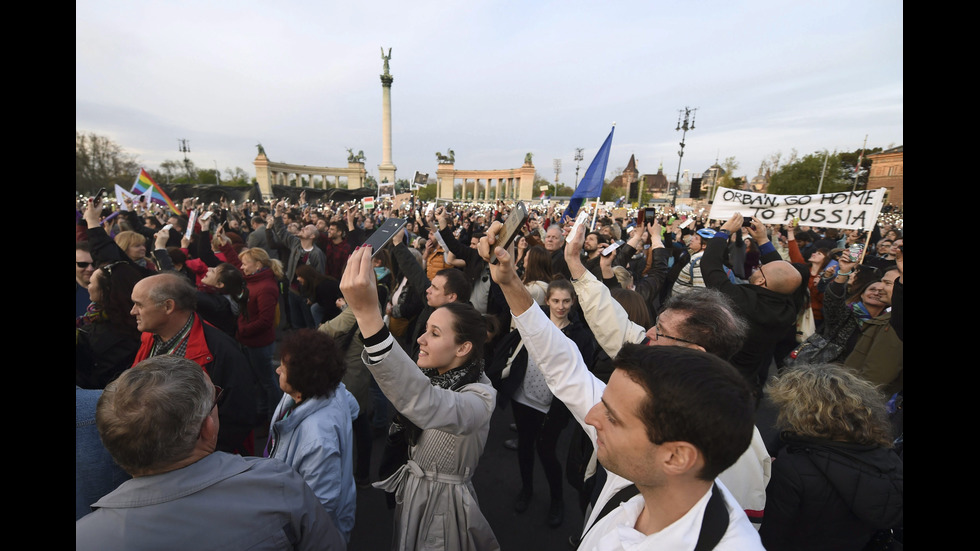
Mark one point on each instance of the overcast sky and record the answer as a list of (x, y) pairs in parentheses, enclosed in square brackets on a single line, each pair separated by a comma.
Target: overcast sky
[(492, 80)]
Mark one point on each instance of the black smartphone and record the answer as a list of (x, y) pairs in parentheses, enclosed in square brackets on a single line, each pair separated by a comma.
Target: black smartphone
[(649, 215), (383, 235), (98, 197), (516, 219), (746, 222)]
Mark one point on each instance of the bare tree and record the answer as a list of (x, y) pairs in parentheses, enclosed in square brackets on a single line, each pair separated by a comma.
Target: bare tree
[(100, 162)]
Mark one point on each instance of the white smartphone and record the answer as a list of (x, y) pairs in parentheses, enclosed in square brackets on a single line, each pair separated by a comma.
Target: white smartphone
[(609, 250)]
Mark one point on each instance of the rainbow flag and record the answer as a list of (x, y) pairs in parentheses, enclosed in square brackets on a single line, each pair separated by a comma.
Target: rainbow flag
[(158, 196)]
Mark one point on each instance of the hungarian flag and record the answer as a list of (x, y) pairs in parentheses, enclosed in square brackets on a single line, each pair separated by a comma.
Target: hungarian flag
[(368, 203)]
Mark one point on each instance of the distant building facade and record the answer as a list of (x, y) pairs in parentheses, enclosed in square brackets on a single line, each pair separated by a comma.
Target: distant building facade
[(887, 173)]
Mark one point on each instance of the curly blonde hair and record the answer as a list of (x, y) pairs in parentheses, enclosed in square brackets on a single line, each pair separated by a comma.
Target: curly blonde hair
[(830, 402)]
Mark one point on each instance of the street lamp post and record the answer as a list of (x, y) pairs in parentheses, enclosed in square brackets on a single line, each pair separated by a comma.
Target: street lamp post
[(688, 124), (578, 159), (557, 164), (185, 148)]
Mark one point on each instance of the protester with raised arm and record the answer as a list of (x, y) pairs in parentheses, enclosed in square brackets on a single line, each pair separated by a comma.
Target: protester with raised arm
[(445, 410), (670, 420)]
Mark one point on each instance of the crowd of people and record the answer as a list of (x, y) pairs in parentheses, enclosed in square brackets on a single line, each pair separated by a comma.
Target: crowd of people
[(255, 354)]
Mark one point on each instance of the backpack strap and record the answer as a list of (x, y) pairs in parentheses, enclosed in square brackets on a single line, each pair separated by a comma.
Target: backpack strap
[(714, 523)]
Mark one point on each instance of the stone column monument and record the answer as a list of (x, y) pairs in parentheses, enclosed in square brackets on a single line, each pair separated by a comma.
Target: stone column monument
[(386, 170)]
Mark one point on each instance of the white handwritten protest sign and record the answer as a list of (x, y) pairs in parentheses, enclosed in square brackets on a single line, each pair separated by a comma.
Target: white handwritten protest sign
[(845, 209)]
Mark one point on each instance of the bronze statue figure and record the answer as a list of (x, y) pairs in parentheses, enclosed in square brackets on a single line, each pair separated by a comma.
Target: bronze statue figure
[(385, 58)]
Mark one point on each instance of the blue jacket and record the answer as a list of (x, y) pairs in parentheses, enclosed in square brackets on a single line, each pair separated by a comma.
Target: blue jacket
[(316, 439)]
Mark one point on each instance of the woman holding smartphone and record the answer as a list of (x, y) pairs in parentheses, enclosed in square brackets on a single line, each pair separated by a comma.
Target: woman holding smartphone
[(444, 410)]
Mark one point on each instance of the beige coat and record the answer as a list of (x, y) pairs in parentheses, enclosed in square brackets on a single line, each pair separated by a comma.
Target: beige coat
[(436, 505)]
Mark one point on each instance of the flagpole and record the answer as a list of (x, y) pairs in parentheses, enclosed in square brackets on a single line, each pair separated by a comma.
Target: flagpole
[(857, 169)]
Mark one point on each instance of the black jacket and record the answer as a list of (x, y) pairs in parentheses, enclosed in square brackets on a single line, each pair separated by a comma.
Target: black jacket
[(826, 495), (769, 314)]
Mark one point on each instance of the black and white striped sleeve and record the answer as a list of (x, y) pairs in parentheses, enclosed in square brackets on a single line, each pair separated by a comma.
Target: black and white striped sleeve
[(378, 345)]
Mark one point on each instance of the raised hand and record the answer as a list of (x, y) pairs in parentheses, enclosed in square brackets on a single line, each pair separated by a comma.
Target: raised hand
[(360, 290)]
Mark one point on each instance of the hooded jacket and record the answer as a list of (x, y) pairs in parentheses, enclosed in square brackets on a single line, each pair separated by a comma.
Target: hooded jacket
[(831, 495)]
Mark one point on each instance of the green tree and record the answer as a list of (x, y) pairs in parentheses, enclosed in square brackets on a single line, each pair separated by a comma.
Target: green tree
[(802, 176), (728, 179), (427, 192), (236, 177), (101, 162), (403, 186), (849, 159), (173, 171), (540, 183)]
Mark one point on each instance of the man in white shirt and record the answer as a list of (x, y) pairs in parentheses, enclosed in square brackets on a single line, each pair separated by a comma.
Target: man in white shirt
[(670, 420)]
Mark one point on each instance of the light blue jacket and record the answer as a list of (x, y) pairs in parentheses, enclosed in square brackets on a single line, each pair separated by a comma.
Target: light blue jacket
[(316, 439)]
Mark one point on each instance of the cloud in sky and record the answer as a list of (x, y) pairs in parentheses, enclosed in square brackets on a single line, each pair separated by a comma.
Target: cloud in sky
[(491, 80)]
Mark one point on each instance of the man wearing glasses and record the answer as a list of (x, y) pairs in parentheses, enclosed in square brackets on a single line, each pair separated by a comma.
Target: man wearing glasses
[(159, 421), (702, 319), (84, 268)]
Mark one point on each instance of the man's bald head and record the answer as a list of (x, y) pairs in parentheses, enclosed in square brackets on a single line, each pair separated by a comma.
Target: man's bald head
[(171, 286), (778, 276)]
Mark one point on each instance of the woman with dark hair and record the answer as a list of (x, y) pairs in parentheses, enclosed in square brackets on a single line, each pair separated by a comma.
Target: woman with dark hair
[(835, 481), (521, 246), (537, 273), (106, 338), (539, 417), (444, 406), (311, 427), (222, 296), (636, 308), (320, 291), (846, 308)]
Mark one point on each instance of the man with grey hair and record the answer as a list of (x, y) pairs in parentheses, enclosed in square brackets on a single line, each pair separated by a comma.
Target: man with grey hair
[(164, 306), (302, 250), (160, 422)]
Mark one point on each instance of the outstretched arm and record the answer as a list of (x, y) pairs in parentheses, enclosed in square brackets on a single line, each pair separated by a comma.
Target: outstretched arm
[(608, 320), (559, 358), (408, 389)]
